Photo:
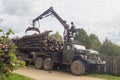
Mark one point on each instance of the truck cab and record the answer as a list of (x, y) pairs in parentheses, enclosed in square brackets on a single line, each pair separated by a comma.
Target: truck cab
[(81, 59), (69, 52)]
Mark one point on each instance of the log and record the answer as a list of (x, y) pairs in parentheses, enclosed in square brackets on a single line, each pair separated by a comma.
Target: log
[(39, 42)]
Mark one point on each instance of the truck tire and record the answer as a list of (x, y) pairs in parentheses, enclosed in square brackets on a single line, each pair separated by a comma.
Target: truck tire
[(47, 65), (77, 68), (38, 62)]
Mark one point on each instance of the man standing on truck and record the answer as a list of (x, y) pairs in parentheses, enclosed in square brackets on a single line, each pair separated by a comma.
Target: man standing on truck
[(72, 29), (70, 33)]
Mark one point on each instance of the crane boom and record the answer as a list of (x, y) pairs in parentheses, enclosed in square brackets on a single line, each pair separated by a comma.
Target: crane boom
[(68, 33), (48, 12)]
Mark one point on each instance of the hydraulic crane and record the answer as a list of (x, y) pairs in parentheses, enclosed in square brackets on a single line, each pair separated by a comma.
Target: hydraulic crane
[(49, 12)]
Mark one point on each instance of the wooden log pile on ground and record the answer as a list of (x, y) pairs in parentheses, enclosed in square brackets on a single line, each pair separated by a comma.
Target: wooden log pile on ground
[(39, 42)]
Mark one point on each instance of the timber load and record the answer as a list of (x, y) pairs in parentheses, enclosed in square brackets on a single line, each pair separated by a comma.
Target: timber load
[(39, 43)]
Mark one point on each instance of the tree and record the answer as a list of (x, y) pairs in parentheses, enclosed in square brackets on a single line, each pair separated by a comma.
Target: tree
[(82, 37), (94, 42), (57, 36), (8, 60), (109, 48), (90, 41)]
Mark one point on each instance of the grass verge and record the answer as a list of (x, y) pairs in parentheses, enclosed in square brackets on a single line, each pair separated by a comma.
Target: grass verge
[(105, 76), (18, 77)]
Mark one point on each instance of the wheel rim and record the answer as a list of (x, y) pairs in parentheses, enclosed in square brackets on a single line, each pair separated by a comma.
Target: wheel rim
[(38, 63), (47, 64), (77, 68)]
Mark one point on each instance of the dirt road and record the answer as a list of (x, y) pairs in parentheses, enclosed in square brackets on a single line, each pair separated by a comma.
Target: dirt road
[(55, 75)]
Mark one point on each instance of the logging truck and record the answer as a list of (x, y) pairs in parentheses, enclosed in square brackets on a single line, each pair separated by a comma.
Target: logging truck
[(72, 55)]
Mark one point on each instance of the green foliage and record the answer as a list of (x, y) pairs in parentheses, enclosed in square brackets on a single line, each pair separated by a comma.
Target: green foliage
[(82, 37), (91, 41), (8, 60), (1, 30), (18, 77), (57, 36), (105, 76), (109, 48), (95, 44)]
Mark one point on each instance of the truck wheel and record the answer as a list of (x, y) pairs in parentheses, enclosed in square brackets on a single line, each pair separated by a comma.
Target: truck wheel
[(77, 68), (38, 62), (47, 65)]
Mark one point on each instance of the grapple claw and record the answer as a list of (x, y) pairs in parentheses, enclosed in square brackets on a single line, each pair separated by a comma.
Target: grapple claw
[(32, 29)]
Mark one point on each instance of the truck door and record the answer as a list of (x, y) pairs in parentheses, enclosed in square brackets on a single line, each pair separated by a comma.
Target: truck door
[(68, 54)]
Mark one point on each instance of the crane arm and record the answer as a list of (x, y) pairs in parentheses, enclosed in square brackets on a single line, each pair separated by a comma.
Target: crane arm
[(48, 12)]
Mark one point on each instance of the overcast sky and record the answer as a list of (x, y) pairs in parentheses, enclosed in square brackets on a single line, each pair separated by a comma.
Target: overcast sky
[(101, 17)]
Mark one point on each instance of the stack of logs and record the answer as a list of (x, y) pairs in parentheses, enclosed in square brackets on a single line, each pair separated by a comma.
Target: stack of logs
[(39, 42)]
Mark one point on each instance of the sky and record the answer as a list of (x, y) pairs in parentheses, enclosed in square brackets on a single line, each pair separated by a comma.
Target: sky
[(100, 17)]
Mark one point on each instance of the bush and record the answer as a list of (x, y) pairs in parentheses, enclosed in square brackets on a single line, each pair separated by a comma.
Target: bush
[(8, 60)]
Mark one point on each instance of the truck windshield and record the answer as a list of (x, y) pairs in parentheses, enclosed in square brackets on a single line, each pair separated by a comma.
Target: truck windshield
[(79, 46)]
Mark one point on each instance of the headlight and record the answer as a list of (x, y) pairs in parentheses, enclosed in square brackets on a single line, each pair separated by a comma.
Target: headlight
[(104, 62), (84, 56)]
